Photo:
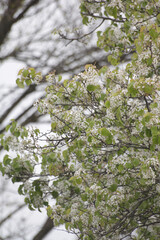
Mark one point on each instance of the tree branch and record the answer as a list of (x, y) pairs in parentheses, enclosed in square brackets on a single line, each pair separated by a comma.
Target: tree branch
[(28, 91), (103, 17), (46, 228), (8, 17), (28, 6), (11, 214), (85, 35)]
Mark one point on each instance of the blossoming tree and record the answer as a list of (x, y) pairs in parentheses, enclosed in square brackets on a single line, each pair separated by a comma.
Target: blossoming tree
[(100, 160)]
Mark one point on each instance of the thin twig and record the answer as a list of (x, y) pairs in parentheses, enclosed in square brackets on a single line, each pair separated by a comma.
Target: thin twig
[(78, 38)]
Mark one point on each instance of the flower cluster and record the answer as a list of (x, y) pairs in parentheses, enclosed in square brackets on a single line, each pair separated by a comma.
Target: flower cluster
[(126, 19), (101, 154), (100, 160)]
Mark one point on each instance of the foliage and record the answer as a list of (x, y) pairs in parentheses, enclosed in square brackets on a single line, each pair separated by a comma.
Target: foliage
[(100, 160), (126, 20)]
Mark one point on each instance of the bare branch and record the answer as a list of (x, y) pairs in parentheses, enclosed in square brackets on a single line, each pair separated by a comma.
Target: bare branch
[(83, 36), (11, 214), (46, 228), (8, 19)]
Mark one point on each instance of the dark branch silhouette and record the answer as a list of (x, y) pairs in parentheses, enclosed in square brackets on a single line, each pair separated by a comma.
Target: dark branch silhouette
[(45, 229)]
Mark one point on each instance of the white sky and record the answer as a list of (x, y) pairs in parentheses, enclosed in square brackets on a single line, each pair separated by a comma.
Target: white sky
[(8, 72)]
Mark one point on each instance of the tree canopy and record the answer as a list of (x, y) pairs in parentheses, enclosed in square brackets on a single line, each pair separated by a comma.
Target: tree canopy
[(100, 159)]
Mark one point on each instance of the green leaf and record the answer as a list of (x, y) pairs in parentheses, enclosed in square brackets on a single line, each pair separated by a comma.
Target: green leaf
[(113, 187), (6, 160), (83, 7), (20, 189), (114, 12), (149, 61), (31, 207), (65, 154), (2, 169), (8, 127), (139, 46), (91, 88), (143, 181), (133, 91), (32, 72), (84, 197), (25, 73), (15, 179), (20, 83), (118, 115), (90, 139), (154, 130), (153, 33), (136, 162), (55, 194), (67, 225), (120, 168), (16, 164), (148, 132), (158, 17), (65, 82), (45, 203), (28, 82), (156, 139), (103, 70), (24, 133), (129, 165), (16, 133), (112, 60), (153, 105), (20, 71), (67, 212), (148, 89), (78, 180), (85, 20), (107, 104), (59, 78), (105, 132), (147, 117)]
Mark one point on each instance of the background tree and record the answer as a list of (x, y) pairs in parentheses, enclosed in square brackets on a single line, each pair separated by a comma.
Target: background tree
[(100, 159)]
